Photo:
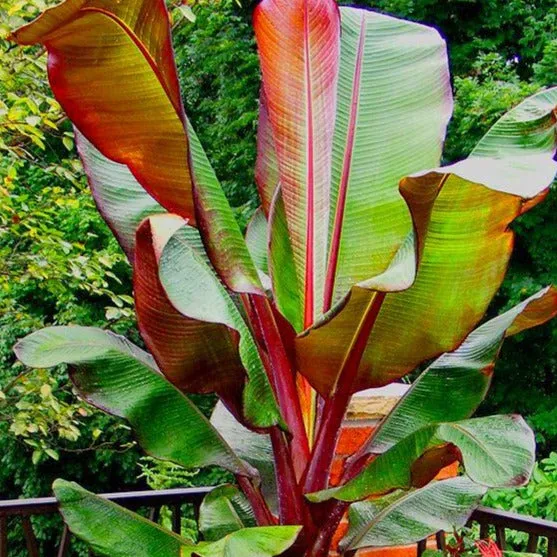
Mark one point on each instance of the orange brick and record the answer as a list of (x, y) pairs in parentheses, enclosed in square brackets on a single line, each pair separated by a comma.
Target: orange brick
[(340, 533), (336, 470), (352, 437)]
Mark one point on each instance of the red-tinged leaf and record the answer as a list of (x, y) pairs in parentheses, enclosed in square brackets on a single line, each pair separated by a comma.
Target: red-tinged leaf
[(298, 43), (111, 68), (195, 291), (195, 355), (394, 103), (468, 370)]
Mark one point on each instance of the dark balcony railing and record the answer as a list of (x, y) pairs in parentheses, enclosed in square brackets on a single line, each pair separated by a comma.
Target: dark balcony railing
[(497, 521), (24, 509), (175, 499)]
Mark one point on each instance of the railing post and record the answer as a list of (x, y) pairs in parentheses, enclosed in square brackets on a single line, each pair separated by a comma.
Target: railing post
[(501, 537), (422, 545), (64, 542), (177, 519), (532, 546), (30, 540), (552, 547), (3, 536)]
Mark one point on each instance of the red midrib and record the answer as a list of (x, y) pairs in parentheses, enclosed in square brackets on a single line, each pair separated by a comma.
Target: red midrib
[(346, 167), (310, 224)]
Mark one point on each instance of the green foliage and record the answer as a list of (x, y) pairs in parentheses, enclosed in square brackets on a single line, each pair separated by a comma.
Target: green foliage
[(62, 266), (518, 30), (219, 71)]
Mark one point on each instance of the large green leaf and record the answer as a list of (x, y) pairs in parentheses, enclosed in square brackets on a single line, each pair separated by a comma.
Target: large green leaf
[(224, 510), (461, 215), (263, 541), (408, 517), (497, 451), (394, 103), (111, 530), (453, 386), (121, 379), (202, 297)]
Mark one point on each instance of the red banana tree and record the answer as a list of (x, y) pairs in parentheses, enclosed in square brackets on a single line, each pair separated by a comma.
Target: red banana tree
[(366, 260)]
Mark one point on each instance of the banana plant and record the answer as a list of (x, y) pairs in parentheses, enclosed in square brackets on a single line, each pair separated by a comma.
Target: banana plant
[(367, 261)]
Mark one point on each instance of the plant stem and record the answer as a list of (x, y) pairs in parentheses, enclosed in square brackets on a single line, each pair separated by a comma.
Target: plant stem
[(283, 381), (263, 515), (322, 544), (335, 512), (335, 407), (292, 508)]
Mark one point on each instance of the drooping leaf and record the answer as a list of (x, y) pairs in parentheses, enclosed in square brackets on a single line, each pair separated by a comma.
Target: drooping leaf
[(224, 510), (112, 69), (111, 530), (202, 297), (463, 210), (194, 354), (497, 451), (298, 43), (116, 376), (394, 103), (263, 541), (408, 517), (453, 386)]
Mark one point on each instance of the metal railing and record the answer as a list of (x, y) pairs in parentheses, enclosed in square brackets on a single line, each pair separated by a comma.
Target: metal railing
[(23, 509), (501, 521)]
